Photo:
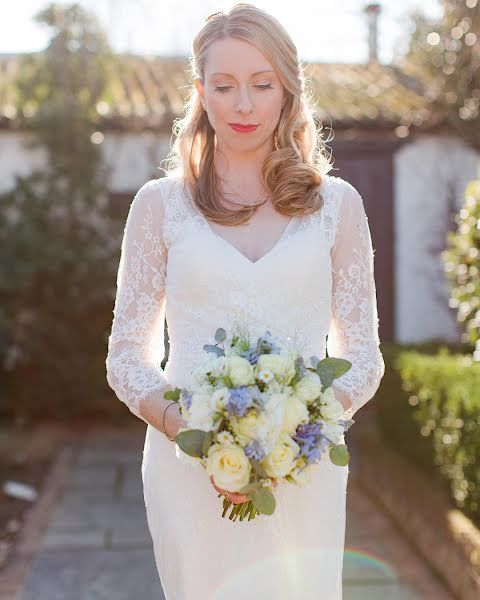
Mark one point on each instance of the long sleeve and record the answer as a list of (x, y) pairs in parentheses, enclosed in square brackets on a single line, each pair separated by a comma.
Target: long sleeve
[(136, 341), (353, 333)]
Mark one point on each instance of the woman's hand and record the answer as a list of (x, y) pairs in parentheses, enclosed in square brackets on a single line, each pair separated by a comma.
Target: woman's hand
[(235, 497), (174, 420)]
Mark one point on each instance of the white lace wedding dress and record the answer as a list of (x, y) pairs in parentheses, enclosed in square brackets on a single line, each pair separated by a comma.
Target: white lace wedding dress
[(318, 279)]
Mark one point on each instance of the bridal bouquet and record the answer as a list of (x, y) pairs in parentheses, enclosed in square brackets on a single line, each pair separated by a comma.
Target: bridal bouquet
[(257, 416)]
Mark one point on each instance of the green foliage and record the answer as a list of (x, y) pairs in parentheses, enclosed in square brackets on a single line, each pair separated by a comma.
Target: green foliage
[(59, 245), (447, 54), (339, 455), (429, 409), (264, 501), (462, 264), (195, 442)]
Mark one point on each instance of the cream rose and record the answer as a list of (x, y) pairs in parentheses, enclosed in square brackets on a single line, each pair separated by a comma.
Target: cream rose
[(229, 466), (245, 428), (281, 460), (308, 388), (296, 412), (240, 371), (331, 408)]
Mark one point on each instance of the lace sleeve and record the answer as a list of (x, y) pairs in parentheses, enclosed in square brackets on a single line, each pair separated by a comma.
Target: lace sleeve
[(353, 333), (136, 341)]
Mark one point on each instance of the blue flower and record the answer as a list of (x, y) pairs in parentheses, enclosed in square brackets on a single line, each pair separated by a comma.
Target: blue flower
[(186, 398), (240, 400), (250, 355), (254, 450), (311, 441)]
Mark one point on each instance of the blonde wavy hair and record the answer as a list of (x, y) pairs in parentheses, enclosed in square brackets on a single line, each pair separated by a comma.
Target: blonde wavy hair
[(293, 171)]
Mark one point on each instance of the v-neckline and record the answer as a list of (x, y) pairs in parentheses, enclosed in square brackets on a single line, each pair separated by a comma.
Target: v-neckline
[(229, 245), (235, 249)]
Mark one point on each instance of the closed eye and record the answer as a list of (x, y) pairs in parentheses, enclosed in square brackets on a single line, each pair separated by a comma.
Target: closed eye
[(225, 88)]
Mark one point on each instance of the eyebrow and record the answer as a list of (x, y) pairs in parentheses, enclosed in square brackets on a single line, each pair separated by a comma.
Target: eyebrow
[(257, 73)]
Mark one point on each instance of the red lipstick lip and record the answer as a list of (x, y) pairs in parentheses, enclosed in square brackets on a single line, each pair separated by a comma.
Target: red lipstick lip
[(240, 127)]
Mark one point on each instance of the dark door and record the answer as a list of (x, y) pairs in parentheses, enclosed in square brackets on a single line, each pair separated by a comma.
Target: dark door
[(368, 166)]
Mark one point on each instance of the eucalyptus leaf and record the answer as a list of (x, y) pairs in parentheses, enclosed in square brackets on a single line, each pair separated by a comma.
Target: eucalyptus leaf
[(264, 501), (339, 455), (215, 349), (326, 372), (250, 487), (194, 442), (172, 394), (341, 365), (314, 360), (220, 334)]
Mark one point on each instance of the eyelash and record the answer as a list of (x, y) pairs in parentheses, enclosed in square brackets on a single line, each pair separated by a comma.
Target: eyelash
[(224, 89)]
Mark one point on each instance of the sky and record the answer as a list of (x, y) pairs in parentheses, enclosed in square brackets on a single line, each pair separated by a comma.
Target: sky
[(323, 30)]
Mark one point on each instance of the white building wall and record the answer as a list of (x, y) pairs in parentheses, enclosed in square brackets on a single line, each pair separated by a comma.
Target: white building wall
[(427, 171), (131, 159)]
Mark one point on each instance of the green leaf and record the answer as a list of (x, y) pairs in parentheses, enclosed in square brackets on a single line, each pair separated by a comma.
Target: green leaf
[(264, 501), (215, 349), (194, 442), (207, 442), (220, 334), (331, 368), (172, 394), (250, 487), (339, 455)]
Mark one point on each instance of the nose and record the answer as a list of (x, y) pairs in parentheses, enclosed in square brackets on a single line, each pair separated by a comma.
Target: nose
[(244, 103)]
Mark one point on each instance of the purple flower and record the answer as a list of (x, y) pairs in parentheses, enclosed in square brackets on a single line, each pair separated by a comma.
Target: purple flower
[(254, 450), (311, 441), (314, 454), (239, 400), (186, 398), (251, 355)]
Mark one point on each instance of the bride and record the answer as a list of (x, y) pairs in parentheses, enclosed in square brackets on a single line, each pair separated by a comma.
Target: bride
[(246, 226)]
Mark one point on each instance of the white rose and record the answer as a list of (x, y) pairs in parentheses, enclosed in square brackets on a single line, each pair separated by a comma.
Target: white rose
[(268, 431), (274, 407), (281, 460), (220, 397), (220, 366), (308, 388), (200, 414), (281, 365), (296, 412), (198, 379), (229, 466), (328, 395), (331, 409), (240, 371)]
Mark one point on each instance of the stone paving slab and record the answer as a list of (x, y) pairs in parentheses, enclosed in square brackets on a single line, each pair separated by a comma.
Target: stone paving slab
[(93, 574), (380, 592), (97, 544)]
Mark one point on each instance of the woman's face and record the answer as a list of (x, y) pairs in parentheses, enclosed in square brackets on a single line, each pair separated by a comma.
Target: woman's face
[(240, 87)]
